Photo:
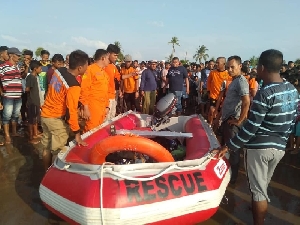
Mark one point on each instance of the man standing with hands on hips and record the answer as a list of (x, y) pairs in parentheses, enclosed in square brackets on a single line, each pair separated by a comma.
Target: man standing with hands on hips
[(175, 77), (265, 133)]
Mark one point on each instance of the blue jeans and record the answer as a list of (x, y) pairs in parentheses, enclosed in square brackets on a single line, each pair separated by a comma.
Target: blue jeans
[(11, 109), (178, 105)]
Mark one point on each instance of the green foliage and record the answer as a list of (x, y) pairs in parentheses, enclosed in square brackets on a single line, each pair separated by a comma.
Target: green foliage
[(253, 61), (174, 41), (121, 54), (201, 54), (170, 57), (38, 51), (212, 58), (184, 61)]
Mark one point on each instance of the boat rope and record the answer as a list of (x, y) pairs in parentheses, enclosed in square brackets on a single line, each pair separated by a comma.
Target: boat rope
[(210, 156)]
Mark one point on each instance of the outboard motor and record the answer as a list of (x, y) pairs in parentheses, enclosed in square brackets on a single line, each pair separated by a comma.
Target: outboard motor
[(165, 107)]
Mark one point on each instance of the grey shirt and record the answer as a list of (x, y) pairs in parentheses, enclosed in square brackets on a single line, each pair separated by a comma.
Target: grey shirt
[(33, 95), (232, 104)]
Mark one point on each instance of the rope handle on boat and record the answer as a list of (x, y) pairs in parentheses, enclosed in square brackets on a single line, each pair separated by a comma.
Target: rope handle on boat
[(209, 156)]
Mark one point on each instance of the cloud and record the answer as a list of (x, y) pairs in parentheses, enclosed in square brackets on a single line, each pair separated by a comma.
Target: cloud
[(13, 39), (136, 56), (89, 43), (61, 48), (156, 23)]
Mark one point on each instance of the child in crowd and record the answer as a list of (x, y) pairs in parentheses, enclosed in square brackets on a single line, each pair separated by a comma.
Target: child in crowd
[(33, 100), (57, 62)]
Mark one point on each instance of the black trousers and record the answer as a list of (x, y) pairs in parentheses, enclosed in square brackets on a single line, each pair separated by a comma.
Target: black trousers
[(228, 132), (24, 109)]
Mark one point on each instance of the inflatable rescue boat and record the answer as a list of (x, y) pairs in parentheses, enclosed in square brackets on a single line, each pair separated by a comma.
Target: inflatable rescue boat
[(127, 175)]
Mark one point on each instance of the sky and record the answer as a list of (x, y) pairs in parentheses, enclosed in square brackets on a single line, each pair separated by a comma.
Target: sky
[(144, 27)]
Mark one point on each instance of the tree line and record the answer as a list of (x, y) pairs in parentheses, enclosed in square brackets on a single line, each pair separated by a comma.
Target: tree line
[(199, 56)]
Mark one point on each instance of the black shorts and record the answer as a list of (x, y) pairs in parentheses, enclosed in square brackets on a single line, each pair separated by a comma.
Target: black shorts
[(204, 95), (130, 101), (212, 102), (33, 113)]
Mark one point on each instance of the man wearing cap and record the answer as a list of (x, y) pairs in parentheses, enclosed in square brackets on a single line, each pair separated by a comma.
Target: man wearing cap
[(148, 88), (130, 85), (12, 91), (3, 58)]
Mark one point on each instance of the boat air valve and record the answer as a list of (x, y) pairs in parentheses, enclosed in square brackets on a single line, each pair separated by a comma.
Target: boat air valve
[(112, 130)]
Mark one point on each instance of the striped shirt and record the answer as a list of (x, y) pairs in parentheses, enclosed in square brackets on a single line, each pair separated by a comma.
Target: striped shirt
[(271, 118), (11, 80)]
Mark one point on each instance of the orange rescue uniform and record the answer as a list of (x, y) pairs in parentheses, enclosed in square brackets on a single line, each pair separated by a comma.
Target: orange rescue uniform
[(113, 74), (94, 94), (214, 82), (62, 98)]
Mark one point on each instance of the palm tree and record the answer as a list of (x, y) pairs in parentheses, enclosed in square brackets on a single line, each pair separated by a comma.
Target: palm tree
[(253, 61), (121, 55), (200, 54), (213, 59), (38, 51), (174, 41), (184, 61), (170, 57)]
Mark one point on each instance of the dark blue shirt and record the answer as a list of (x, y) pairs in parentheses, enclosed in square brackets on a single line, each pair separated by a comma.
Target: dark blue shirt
[(271, 118), (204, 76), (176, 75), (148, 80)]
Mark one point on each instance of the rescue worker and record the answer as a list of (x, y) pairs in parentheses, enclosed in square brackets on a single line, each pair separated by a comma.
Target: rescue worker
[(94, 91), (114, 76), (59, 111)]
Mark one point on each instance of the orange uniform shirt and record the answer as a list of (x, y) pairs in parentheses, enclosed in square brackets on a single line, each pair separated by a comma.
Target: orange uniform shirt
[(252, 83), (62, 98), (113, 74), (94, 86), (214, 82), (129, 84)]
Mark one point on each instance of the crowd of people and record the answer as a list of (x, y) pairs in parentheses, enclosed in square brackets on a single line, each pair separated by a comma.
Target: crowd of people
[(251, 108)]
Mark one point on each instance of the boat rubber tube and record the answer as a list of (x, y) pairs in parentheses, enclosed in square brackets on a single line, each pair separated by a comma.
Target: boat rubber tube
[(129, 143)]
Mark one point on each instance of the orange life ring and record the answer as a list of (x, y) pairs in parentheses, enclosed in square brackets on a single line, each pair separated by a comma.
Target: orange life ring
[(129, 143)]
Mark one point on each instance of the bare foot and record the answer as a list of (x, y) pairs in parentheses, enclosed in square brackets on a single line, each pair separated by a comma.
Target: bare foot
[(7, 139)]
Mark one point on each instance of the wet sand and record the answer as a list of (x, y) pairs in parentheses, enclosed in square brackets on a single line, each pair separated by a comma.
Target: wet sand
[(21, 172)]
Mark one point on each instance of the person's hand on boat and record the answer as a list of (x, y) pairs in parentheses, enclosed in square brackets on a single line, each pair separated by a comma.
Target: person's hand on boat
[(79, 140), (221, 151), (86, 113), (234, 122)]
